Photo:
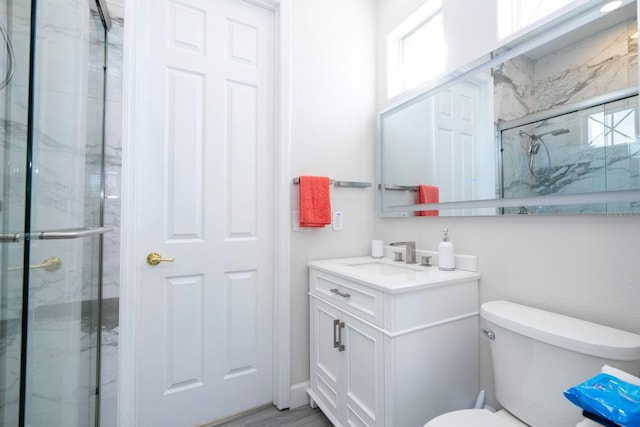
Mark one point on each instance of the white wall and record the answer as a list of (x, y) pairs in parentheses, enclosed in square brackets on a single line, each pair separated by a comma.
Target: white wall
[(469, 29), (582, 266), (333, 134)]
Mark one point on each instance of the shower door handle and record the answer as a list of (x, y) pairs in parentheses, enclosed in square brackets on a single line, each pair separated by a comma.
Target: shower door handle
[(11, 237), (52, 263), (71, 233)]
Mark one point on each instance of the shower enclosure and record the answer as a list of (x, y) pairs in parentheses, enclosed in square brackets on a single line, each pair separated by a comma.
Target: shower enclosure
[(52, 85), (595, 147)]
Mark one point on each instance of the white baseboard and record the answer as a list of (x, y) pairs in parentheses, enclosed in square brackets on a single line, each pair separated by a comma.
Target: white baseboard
[(298, 395)]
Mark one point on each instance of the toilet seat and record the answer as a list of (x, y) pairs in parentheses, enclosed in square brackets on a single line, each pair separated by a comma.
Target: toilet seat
[(485, 418), (473, 417)]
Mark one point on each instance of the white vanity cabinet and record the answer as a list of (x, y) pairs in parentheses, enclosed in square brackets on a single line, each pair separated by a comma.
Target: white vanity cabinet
[(391, 349), (349, 365)]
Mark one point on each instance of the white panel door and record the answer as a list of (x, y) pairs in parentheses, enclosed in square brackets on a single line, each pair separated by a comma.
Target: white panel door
[(457, 129), (204, 322), (460, 169)]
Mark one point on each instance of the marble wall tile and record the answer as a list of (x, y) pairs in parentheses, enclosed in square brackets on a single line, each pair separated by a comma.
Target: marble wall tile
[(10, 381), (61, 379), (514, 88), (109, 362), (598, 64), (13, 127)]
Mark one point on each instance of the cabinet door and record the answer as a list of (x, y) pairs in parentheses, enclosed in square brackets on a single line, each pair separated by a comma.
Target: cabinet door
[(325, 358), (362, 374)]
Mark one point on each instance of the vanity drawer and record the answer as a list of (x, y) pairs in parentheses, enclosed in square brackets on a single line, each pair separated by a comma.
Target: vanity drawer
[(357, 299)]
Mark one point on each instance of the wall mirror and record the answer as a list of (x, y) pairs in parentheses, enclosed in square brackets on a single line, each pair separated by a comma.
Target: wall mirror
[(547, 124)]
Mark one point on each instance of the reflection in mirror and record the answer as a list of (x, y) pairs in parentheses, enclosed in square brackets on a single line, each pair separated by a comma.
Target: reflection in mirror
[(552, 128), (516, 14), (444, 141), (593, 149)]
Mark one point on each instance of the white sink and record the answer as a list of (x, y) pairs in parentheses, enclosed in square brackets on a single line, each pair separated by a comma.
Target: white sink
[(383, 268), (391, 276)]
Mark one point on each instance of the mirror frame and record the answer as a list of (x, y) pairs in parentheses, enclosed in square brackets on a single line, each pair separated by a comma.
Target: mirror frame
[(556, 27)]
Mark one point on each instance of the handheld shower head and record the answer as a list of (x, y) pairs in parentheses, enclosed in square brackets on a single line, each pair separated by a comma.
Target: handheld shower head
[(535, 141)]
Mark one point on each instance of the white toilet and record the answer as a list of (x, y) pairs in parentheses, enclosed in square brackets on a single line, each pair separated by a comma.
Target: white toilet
[(537, 355)]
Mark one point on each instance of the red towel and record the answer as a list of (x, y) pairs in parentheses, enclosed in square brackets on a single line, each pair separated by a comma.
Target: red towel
[(428, 194), (315, 201)]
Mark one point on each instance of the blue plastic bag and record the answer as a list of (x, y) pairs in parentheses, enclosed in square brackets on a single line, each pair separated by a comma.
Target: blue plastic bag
[(609, 397)]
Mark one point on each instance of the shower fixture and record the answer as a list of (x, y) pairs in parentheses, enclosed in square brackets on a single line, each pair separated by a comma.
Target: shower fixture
[(10, 58), (535, 141)]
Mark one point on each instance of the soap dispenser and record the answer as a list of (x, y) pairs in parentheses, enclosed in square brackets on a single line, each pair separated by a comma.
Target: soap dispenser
[(446, 254)]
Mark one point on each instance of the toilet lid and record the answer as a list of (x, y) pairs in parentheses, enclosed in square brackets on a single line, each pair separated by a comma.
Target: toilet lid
[(469, 417)]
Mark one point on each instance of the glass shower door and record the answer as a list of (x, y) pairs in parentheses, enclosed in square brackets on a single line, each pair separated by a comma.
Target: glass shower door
[(66, 189), (54, 275), (14, 124)]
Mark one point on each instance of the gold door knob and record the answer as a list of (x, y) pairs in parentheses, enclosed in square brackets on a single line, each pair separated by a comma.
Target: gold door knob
[(154, 258)]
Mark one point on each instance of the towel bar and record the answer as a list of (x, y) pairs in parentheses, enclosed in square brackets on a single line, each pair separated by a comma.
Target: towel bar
[(336, 183), (400, 187)]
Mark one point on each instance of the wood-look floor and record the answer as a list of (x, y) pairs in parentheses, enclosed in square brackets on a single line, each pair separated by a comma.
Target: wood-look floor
[(270, 416)]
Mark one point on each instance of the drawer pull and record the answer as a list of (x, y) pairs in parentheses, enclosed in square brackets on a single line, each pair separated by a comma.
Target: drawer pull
[(336, 291)]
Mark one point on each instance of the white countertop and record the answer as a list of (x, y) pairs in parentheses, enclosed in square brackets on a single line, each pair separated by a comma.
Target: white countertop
[(391, 276)]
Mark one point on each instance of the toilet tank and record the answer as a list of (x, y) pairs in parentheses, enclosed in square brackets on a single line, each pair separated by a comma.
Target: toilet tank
[(537, 355)]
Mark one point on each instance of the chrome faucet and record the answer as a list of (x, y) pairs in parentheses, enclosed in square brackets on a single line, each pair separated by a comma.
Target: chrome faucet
[(411, 250)]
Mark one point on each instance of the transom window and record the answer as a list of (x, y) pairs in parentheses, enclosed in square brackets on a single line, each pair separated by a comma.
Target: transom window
[(416, 49), (513, 15), (423, 52)]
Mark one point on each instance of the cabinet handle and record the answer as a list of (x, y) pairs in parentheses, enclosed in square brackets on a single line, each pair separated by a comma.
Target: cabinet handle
[(336, 324), (337, 334), (336, 291), (340, 328)]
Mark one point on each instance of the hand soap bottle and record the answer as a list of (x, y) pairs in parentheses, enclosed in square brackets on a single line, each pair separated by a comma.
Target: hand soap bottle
[(446, 253)]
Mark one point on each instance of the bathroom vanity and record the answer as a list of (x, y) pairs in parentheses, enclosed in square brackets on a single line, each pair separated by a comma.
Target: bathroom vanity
[(391, 344)]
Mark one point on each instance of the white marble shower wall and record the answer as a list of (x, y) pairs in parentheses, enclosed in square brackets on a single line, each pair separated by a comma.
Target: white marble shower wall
[(111, 252), (67, 116), (599, 64), (13, 128), (604, 62), (513, 88), (67, 122), (14, 17)]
